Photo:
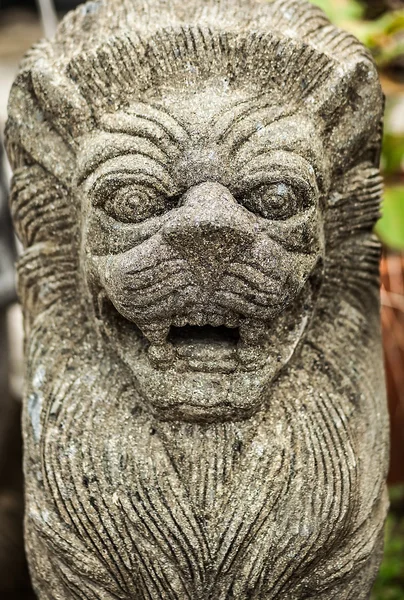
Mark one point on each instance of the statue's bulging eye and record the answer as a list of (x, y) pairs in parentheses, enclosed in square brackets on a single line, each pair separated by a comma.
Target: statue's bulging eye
[(131, 205), (275, 200), (127, 200)]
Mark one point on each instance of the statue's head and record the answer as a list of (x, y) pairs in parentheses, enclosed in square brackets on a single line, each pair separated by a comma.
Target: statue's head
[(193, 153)]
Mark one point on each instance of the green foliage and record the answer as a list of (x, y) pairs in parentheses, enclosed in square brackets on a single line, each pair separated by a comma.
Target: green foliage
[(390, 583), (393, 153), (340, 11), (383, 36), (390, 227)]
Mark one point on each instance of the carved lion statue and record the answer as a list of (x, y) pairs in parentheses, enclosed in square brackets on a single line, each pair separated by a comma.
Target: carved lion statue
[(195, 186)]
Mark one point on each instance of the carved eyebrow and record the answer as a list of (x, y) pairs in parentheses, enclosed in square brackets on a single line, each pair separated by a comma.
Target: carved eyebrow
[(274, 163), (154, 123), (143, 129), (155, 181), (251, 116), (273, 138), (107, 146), (136, 166)]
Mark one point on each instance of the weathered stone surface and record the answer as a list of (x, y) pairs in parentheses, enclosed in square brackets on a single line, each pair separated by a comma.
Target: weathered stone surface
[(195, 187)]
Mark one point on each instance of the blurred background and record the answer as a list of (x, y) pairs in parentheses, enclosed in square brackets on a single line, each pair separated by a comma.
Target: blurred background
[(379, 24)]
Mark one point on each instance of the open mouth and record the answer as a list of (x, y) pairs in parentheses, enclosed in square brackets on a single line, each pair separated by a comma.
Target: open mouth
[(202, 346), (211, 343), (207, 341), (205, 347), (207, 361), (204, 335)]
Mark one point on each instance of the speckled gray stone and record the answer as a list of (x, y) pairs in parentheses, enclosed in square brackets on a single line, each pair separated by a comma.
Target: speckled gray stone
[(195, 186)]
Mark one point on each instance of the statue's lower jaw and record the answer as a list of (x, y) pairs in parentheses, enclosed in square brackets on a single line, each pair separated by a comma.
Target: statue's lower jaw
[(206, 378)]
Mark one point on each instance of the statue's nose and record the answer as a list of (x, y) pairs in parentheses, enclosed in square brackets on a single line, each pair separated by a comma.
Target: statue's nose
[(210, 227)]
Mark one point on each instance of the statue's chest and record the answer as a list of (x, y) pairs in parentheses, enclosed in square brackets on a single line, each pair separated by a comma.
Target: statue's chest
[(208, 516)]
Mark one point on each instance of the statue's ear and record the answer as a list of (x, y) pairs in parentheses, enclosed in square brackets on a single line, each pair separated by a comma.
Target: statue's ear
[(60, 101), (46, 116), (30, 135), (351, 106)]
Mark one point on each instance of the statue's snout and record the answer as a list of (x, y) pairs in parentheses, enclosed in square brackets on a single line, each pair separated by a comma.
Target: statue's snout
[(210, 226)]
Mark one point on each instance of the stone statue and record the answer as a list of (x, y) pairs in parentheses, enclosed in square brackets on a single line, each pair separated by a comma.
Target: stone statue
[(195, 186)]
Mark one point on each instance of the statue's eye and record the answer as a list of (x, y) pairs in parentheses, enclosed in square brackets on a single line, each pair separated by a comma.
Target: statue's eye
[(131, 204), (275, 200), (129, 201)]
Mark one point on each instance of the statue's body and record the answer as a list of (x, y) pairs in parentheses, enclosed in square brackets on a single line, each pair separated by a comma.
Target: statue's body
[(204, 411)]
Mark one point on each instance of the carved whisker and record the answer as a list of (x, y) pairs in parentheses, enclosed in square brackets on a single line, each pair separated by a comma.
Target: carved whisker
[(247, 307), (252, 293), (158, 293), (256, 271), (254, 279), (165, 280), (160, 263), (162, 302)]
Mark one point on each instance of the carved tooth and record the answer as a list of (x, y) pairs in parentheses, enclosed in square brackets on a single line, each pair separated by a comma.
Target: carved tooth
[(196, 319), (215, 320), (161, 355), (180, 321), (199, 318), (231, 321), (156, 333), (252, 332)]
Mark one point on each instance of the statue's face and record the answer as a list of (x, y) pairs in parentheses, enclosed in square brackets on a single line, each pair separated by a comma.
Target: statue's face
[(202, 244)]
